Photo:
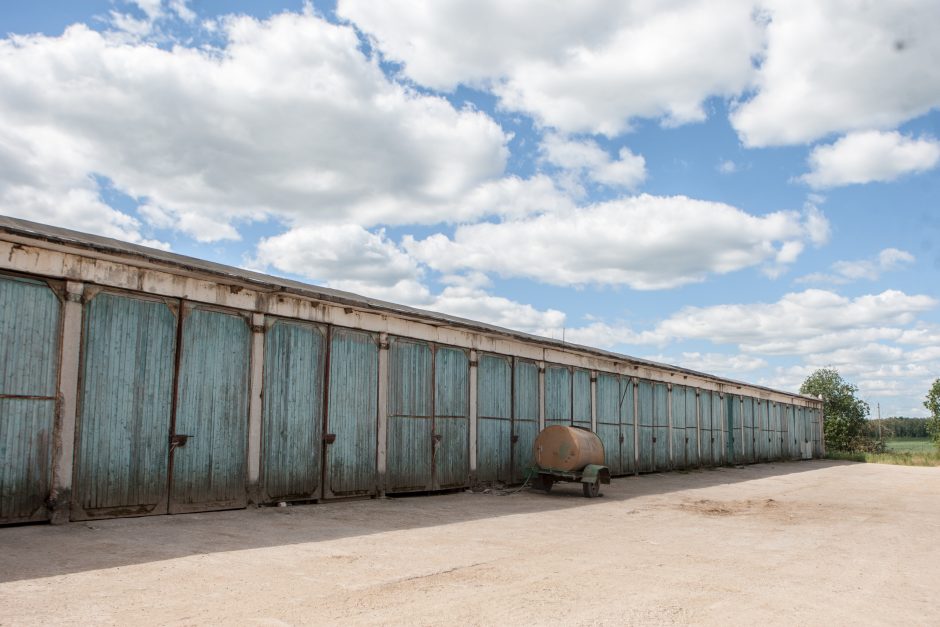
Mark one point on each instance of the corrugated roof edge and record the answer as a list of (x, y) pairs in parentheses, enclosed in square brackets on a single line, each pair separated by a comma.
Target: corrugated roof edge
[(62, 236)]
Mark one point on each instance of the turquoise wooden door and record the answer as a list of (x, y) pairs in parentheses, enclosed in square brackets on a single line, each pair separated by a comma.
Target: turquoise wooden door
[(352, 414), (210, 443), (125, 407), (494, 419), (684, 427), (608, 421), (451, 418), (410, 416), (646, 423), (581, 398), (525, 419), (627, 426), (292, 426), (29, 357), (557, 395), (661, 427)]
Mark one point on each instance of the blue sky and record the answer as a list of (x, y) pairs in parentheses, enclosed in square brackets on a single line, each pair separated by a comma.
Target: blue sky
[(743, 188)]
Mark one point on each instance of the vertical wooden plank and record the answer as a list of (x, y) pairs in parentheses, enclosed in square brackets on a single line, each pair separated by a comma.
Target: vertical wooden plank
[(647, 431), (352, 409), (661, 426), (472, 414), (29, 340), (706, 436), (494, 419), (382, 419), (608, 420), (627, 426), (292, 433), (679, 424), (125, 408), (692, 459), (557, 395), (451, 418), (410, 427), (581, 398), (733, 410), (209, 472), (525, 419)]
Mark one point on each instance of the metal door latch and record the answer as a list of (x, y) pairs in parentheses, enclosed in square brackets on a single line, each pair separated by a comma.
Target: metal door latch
[(329, 438), (179, 440), (437, 437)]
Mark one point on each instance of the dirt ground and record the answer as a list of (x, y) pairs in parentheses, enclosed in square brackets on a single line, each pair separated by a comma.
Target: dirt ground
[(792, 543)]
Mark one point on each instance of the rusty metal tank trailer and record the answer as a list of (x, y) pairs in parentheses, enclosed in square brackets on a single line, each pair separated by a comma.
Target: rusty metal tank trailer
[(569, 454)]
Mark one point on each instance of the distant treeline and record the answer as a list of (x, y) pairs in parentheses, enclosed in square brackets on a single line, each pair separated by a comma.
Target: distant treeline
[(897, 428)]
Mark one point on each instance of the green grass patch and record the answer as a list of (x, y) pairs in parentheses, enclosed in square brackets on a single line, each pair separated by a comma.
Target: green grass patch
[(901, 452), (911, 445)]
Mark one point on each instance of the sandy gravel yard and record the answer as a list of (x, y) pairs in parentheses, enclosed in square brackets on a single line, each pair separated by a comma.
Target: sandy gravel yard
[(790, 544)]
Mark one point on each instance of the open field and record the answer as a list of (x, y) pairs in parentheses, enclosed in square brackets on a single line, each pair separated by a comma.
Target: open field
[(817, 542), (912, 445), (901, 451)]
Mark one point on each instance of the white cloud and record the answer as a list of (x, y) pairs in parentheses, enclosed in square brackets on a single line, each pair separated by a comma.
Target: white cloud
[(727, 167), (332, 253), (778, 327), (477, 304), (646, 242), (584, 159), (843, 272), (841, 65), (289, 119), (730, 365), (348, 257), (870, 156), (578, 67)]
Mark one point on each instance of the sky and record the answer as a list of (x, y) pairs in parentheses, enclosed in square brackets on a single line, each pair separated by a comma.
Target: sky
[(743, 188)]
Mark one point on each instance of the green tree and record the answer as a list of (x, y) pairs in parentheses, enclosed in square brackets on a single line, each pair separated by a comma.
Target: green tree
[(933, 406), (844, 426)]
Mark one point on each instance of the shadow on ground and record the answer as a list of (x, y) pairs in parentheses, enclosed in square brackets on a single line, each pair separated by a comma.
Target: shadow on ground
[(35, 551)]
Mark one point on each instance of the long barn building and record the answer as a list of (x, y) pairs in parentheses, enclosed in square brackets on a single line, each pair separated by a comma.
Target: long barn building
[(135, 382)]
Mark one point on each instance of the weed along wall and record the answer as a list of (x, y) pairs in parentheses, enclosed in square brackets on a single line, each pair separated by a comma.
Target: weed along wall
[(137, 382)]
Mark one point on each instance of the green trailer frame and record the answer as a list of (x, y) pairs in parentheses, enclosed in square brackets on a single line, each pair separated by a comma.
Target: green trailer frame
[(590, 477)]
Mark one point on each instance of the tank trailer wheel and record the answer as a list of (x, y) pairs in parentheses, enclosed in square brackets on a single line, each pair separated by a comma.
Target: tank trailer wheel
[(592, 490)]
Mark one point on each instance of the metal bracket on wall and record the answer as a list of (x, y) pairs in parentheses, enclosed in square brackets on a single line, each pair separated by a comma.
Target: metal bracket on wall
[(179, 440)]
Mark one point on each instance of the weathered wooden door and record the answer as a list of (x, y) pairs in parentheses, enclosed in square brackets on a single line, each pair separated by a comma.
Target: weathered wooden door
[(410, 416), (557, 395), (292, 429), (581, 409), (661, 426), (125, 407), (684, 427), (208, 448), (525, 418), (29, 358), (645, 421), (352, 413), (451, 418), (494, 419)]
